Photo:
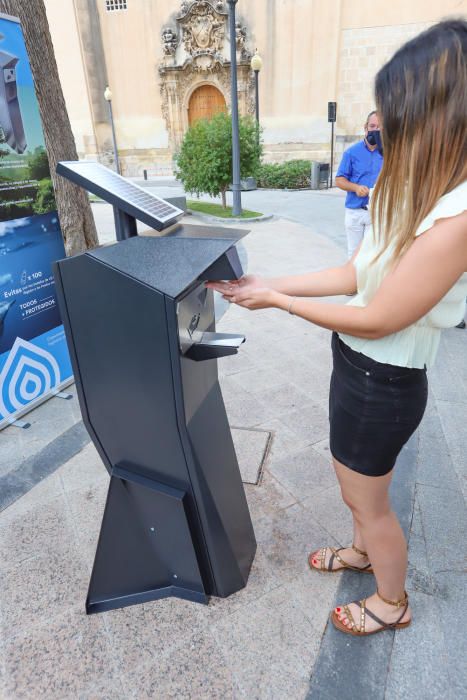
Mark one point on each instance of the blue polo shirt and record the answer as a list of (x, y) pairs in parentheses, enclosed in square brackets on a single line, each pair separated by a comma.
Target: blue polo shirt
[(362, 166)]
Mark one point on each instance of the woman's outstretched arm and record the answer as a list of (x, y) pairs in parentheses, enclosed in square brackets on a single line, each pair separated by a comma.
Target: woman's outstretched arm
[(423, 276), (330, 282), (325, 283)]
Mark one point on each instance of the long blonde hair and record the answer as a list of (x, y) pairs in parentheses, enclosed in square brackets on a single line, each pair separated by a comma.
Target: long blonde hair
[(421, 96)]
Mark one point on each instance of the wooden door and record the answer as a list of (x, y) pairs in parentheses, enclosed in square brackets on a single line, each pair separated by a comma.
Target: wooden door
[(205, 102)]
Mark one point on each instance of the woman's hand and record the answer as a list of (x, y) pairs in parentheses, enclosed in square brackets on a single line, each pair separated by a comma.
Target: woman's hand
[(244, 284), (252, 298)]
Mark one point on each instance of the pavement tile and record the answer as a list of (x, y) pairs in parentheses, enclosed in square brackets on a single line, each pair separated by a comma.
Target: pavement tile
[(284, 441), (315, 594), (258, 381), (445, 526), (303, 473), (453, 421), (37, 530), (270, 648), (284, 399), (263, 578), (310, 421), (108, 689), (450, 599), (420, 666), (39, 589), (329, 510), (419, 574), (287, 537), (323, 448), (86, 508), (142, 634), (268, 497), (436, 468), (58, 659), (197, 669), (243, 409), (233, 364), (85, 469), (445, 384)]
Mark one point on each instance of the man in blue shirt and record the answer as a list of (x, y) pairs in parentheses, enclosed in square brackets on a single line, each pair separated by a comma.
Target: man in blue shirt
[(357, 174)]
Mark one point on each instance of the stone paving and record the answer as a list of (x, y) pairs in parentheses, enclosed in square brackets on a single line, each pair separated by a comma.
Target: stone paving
[(270, 640)]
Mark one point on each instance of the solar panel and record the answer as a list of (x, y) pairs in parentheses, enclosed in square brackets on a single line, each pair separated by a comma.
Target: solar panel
[(121, 193)]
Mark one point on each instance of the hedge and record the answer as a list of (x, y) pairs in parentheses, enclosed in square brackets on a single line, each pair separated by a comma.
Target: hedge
[(294, 174)]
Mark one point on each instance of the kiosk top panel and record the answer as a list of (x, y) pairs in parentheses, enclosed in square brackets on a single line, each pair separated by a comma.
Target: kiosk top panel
[(169, 265), (121, 193)]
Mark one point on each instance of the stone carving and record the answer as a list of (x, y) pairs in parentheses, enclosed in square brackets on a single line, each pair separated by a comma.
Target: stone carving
[(203, 29), (240, 36), (196, 53), (170, 41)]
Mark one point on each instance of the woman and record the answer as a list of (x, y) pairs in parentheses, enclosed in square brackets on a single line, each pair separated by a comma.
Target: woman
[(409, 275)]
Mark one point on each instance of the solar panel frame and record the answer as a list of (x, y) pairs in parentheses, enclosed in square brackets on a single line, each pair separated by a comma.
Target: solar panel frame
[(117, 191)]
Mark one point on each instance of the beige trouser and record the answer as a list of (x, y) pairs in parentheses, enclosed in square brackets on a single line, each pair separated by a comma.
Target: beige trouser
[(357, 222)]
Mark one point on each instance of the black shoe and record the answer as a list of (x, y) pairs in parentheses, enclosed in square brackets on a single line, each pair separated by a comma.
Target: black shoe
[(461, 325)]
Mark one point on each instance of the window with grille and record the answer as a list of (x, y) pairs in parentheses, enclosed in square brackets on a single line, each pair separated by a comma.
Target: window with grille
[(115, 5)]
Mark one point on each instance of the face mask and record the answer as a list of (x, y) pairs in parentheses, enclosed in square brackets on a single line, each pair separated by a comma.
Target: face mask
[(374, 139)]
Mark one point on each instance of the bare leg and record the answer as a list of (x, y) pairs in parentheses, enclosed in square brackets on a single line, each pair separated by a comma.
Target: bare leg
[(377, 524)]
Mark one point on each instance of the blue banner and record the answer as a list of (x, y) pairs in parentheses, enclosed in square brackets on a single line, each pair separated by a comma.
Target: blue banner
[(34, 361)]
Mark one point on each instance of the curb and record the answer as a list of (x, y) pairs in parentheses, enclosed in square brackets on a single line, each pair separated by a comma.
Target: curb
[(220, 220)]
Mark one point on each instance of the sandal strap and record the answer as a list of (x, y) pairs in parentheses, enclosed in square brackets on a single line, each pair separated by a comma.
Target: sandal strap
[(362, 615), (396, 603), (322, 558), (350, 618), (336, 555), (387, 625), (359, 551)]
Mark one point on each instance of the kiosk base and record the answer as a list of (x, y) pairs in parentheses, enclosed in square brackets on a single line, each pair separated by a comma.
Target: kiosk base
[(145, 549)]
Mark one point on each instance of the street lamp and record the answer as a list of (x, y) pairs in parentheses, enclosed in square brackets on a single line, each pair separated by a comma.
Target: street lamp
[(256, 65), (236, 186), (108, 99)]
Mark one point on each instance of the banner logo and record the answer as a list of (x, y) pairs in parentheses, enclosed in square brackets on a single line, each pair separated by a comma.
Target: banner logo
[(28, 373)]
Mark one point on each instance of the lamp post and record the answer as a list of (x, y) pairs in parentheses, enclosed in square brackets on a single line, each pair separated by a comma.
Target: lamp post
[(236, 186), (108, 99), (256, 65)]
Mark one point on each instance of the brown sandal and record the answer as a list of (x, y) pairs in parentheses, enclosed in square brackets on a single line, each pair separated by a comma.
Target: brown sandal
[(321, 553), (359, 631)]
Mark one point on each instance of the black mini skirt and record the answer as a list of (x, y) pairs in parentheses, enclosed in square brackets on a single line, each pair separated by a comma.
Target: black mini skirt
[(374, 408)]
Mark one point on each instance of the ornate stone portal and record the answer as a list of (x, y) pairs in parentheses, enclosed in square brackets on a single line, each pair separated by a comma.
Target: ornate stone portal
[(196, 53)]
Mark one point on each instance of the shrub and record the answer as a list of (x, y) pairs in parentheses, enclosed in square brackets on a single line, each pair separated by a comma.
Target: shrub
[(294, 174), (204, 164)]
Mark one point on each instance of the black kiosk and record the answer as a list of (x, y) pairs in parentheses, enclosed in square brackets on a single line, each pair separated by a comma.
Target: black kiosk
[(141, 333)]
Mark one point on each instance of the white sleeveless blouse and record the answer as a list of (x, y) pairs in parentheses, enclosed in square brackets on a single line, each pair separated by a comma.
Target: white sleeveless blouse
[(416, 345)]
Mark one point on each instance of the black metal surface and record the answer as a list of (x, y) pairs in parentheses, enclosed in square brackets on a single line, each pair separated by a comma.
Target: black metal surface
[(132, 311), (144, 548), (122, 194), (171, 265)]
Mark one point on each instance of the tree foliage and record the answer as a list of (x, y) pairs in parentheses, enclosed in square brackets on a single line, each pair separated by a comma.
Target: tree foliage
[(204, 164)]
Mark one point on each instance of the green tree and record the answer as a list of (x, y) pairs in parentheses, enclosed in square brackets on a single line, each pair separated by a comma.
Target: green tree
[(204, 164), (38, 165)]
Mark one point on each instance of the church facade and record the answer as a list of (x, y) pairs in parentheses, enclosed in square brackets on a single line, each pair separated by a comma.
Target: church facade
[(167, 63)]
